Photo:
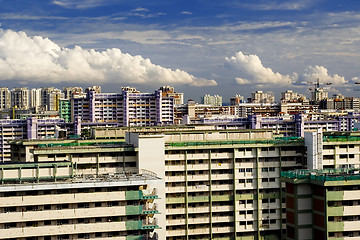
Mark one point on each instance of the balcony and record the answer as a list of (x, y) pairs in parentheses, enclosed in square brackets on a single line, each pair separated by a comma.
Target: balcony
[(61, 229), (62, 198)]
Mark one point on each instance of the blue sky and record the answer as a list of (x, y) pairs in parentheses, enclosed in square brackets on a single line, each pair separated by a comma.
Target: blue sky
[(200, 47)]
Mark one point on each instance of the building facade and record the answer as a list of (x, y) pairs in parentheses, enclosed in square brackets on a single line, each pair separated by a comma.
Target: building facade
[(55, 204), (215, 100), (322, 204), (217, 184), (20, 98), (5, 98), (128, 108)]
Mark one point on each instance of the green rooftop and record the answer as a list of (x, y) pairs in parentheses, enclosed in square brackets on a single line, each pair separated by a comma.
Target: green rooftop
[(323, 175)]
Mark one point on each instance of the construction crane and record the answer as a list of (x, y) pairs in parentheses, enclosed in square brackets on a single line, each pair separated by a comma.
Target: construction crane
[(317, 85)]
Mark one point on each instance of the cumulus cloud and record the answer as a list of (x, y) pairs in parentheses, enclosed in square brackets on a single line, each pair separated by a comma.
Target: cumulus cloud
[(37, 59), (252, 71), (312, 73)]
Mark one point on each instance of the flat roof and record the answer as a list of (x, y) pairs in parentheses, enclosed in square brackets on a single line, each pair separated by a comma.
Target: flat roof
[(89, 181), (326, 177)]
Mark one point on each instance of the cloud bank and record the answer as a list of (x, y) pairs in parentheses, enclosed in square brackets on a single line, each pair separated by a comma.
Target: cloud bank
[(319, 72), (37, 59), (251, 71)]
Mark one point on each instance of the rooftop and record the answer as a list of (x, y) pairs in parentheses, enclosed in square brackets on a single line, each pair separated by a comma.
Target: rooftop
[(323, 176), (85, 181)]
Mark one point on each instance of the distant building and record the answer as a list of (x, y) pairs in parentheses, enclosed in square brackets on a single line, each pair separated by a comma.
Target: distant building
[(50, 98), (20, 98), (35, 98), (96, 89), (319, 94), (215, 100), (339, 102), (261, 97), (128, 108), (237, 99), (168, 91), (290, 96), (5, 98), (69, 91)]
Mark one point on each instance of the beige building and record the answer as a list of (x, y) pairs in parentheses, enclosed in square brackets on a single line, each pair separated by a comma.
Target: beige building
[(262, 97), (214, 184), (218, 184)]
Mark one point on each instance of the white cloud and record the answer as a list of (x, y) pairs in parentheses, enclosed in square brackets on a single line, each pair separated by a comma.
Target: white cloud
[(312, 73), (140, 9), (276, 5), (80, 4), (252, 71), (37, 59)]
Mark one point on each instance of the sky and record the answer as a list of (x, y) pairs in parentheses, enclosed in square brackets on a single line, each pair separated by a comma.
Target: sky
[(199, 47)]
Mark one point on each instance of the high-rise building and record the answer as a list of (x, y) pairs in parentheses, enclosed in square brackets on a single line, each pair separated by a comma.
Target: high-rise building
[(237, 99), (69, 91), (20, 98), (128, 108), (5, 98), (50, 97), (215, 100), (168, 91), (215, 183), (319, 94), (290, 96), (261, 97), (35, 98), (96, 89)]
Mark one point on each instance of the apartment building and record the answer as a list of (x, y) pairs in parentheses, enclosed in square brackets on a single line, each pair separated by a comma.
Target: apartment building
[(220, 184), (32, 128), (51, 201), (5, 98), (290, 96), (215, 100), (262, 97), (329, 150), (128, 108), (322, 204), (168, 91), (217, 184), (20, 98)]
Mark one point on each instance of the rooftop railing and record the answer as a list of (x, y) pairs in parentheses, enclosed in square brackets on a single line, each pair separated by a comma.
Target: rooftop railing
[(324, 174), (275, 141)]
